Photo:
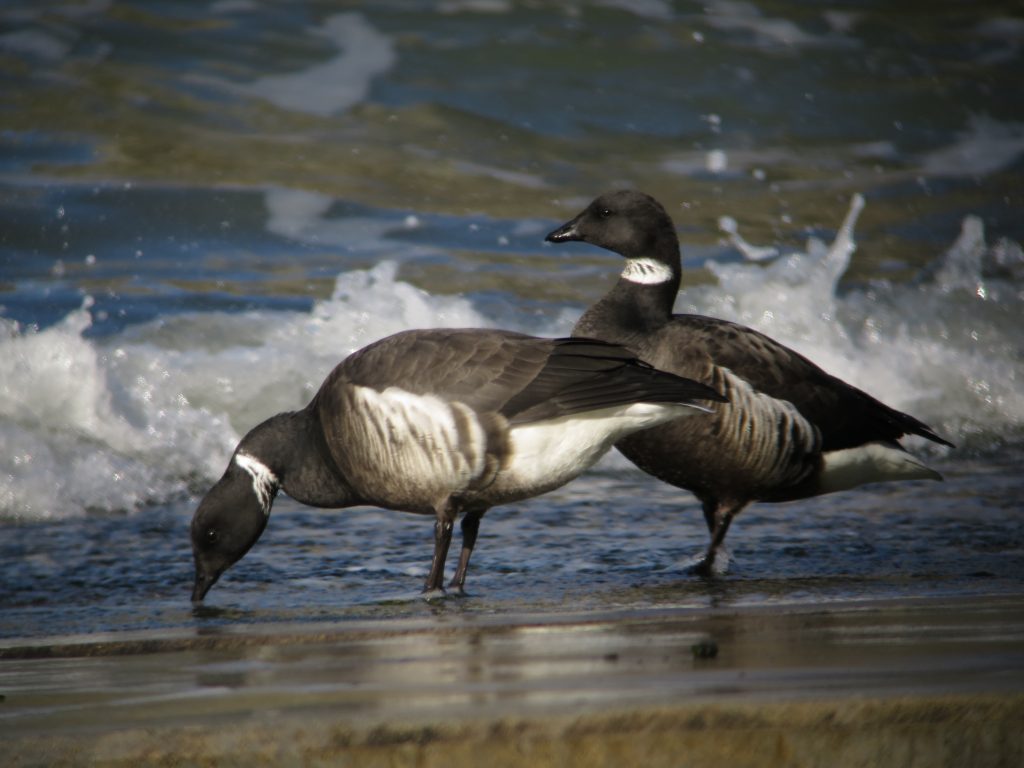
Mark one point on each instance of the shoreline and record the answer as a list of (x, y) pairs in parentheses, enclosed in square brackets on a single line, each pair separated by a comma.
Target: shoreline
[(918, 682), (310, 632)]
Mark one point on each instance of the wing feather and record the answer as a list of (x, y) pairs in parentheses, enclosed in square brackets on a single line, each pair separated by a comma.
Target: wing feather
[(845, 415)]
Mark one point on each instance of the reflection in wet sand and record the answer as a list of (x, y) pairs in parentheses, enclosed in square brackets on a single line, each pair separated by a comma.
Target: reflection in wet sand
[(840, 681), (471, 665)]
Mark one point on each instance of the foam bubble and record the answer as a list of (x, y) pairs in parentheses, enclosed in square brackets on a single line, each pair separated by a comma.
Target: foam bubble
[(716, 161)]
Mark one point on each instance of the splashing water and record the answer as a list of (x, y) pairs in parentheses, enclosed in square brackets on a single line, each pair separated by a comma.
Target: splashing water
[(945, 346), (152, 413), (115, 424)]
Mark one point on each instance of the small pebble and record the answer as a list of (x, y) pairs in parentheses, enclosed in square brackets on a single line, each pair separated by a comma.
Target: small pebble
[(705, 649)]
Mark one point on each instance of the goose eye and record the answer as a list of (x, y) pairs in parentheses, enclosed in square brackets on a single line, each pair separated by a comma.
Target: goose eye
[(211, 536), (604, 213)]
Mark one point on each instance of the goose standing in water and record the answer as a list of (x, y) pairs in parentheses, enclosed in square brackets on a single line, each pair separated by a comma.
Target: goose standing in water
[(438, 422), (789, 431)]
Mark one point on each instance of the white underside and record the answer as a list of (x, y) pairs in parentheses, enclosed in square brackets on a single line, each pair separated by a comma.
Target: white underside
[(550, 453), (871, 463)]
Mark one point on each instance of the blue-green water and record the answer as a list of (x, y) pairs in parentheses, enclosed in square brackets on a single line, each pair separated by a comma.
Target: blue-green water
[(203, 207)]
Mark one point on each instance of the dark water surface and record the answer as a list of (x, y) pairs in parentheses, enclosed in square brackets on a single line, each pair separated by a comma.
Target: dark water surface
[(204, 206)]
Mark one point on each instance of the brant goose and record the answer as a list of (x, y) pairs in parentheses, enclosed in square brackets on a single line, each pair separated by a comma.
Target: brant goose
[(438, 422), (789, 431)]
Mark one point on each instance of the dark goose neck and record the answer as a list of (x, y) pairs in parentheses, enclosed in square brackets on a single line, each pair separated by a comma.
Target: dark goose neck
[(642, 299), (291, 445)]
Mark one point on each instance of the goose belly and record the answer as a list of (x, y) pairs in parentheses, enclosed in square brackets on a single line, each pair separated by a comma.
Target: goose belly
[(547, 454)]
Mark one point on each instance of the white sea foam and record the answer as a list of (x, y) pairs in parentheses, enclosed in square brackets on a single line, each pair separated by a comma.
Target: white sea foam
[(768, 31), (985, 147), (34, 43), (474, 6), (338, 83), (658, 10), (716, 161), (233, 6), (945, 348), (155, 411), (117, 423), (1002, 38), (752, 252), (86, 426), (517, 178), (302, 215)]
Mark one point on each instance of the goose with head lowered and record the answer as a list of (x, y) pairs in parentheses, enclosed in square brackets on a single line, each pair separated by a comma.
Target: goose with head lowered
[(789, 430), (442, 423)]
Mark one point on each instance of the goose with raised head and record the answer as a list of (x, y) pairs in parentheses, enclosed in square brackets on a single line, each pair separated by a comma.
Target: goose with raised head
[(789, 431)]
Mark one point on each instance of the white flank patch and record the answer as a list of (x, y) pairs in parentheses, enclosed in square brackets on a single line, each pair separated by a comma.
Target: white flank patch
[(646, 271), (548, 454), (871, 463), (264, 482), (416, 438)]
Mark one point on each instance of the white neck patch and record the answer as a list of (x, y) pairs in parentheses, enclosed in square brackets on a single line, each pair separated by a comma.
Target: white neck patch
[(264, 482), (646, 271)]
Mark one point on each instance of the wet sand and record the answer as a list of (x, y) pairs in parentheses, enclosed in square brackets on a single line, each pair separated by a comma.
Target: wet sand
[(910, 683)]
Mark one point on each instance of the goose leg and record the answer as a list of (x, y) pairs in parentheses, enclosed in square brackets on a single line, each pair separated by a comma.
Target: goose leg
[(718, 516), (442, 540), (470, 527)]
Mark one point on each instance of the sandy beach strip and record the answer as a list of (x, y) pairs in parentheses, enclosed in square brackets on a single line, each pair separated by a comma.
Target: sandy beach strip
[(918, 683)]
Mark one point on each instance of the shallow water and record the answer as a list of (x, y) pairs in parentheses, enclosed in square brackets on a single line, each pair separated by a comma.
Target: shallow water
[(463, 672), (205, 208)]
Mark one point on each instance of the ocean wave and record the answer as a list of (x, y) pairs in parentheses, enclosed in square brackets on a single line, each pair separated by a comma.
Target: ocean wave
[(152, 412)]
